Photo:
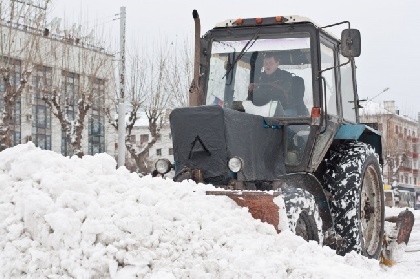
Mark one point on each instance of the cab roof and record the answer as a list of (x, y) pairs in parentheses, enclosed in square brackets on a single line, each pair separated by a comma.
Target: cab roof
[(264, 21), (276, 20)]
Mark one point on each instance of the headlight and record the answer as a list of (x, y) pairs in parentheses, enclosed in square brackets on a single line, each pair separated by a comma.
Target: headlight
[(236, 164), (163, 166)]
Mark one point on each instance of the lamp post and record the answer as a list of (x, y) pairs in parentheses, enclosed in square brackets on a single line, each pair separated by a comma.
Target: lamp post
[(384, 90), (121, 105)]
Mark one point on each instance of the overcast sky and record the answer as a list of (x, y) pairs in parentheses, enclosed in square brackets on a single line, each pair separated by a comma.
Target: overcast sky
[(390, 55)]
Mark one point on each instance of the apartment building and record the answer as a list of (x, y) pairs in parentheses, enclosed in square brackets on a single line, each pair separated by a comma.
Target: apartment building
[(70, 65), (400, 141)]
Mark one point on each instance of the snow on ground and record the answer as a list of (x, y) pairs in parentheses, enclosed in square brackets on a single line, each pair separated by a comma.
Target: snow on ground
[(82, 218)]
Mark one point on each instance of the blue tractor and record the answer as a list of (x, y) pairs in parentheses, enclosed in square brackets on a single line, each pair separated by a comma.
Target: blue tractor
[(273, 122)]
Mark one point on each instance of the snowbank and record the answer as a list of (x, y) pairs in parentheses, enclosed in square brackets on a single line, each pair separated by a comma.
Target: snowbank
[(82, 218)]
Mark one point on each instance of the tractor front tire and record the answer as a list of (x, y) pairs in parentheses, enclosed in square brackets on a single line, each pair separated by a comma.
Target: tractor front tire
[(353, 177), (303, 214)]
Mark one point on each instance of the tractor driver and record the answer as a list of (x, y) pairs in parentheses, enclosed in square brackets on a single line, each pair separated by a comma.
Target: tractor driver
[(275, 84)]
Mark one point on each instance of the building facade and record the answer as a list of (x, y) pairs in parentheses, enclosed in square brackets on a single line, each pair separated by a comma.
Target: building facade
[(68, 67), (400, 142)]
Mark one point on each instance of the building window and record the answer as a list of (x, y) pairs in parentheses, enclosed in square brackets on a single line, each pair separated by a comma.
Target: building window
[(70, 88), (144, 138), (15, 122), (41, 114), (66, 148), (96, 142), (159, 152), (171, 151), (396, 129)]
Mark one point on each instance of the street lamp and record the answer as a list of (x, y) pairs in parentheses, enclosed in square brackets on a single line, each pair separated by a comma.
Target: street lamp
[(365, 100), (384, 90)]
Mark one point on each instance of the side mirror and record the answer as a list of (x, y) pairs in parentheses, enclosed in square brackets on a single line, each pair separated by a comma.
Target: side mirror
[(350, 43)]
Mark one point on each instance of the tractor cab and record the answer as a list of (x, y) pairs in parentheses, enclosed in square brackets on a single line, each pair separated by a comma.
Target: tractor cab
[(311, 93), (270, 94)]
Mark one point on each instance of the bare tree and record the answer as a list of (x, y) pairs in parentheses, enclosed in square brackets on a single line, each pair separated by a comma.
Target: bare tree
[(78, 86), (159, 81), (137, 96), (20, 33), (155, 100), (181, 70)]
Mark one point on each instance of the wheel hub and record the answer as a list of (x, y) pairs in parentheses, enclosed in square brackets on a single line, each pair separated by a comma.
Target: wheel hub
[(371, 215), (368, 210)]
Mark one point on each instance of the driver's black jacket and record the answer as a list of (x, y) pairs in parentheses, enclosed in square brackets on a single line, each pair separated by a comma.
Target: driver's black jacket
[(274, 87)]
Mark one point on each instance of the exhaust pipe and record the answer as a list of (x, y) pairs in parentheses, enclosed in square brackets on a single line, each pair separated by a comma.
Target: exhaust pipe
[(195, 96)]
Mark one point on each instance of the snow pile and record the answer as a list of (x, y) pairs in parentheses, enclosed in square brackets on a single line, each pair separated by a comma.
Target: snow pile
[(81, 218)]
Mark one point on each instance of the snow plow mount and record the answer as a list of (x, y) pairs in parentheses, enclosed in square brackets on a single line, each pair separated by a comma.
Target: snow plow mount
[(396, 237), (404, 222), (261, 205)]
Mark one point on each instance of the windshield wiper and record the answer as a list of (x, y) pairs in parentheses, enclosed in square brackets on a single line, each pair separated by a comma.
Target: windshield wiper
[(244, 49)]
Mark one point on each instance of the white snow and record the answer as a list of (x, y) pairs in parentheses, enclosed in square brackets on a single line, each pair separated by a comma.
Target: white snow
[(374, 108), (83, 218)]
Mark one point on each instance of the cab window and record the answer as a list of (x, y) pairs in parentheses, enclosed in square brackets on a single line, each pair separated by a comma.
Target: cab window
[(347, 90), (327, 61), (269, 76)]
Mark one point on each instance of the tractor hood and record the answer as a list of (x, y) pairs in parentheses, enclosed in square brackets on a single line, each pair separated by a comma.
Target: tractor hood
[(206, 137)]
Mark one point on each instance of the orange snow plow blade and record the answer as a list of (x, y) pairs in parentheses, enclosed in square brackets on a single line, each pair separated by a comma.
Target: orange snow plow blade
[(397, 234), (260, 204)]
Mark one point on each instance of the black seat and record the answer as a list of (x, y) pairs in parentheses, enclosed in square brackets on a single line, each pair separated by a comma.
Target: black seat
[(298, 91)]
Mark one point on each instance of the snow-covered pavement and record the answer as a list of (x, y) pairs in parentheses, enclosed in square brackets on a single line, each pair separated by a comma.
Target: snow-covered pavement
[(81, 218)]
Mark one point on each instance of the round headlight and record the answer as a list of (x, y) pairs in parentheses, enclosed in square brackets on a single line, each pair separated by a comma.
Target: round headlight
[(163, 166), (235, 164)]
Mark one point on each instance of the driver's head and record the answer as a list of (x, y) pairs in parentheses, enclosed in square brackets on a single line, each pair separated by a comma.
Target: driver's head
[(271, 63)]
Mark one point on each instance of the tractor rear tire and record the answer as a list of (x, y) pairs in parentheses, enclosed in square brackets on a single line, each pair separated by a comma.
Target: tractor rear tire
[(303, 214), (353, 177)]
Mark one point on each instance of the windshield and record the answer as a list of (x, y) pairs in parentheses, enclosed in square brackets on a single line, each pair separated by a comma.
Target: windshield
[(263, 76)]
